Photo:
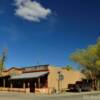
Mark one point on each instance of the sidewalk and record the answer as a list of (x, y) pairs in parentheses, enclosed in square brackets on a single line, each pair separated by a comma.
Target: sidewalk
[(60, 94), (71, 94), (77, 93)]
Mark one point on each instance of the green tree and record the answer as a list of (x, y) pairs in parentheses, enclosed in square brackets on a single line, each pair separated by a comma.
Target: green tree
[(2, 60), (69, 67), (89, 60)]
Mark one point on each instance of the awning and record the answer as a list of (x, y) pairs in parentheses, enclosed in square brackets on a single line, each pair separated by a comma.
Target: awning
[(29, 75)]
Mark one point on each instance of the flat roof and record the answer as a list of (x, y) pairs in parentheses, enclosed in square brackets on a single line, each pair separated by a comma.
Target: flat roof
[(29, 75)]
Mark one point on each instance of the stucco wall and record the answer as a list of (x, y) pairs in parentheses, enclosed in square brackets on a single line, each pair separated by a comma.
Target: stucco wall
[(12, 71), (69, 77)]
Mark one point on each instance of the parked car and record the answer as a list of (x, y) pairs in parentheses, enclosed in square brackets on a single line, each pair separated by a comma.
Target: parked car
[(84, 85)]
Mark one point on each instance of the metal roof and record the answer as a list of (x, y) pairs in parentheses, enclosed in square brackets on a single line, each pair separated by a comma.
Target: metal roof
[(29, 75)]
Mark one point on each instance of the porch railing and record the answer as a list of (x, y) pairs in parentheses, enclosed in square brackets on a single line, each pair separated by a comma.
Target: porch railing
[(26, 90)]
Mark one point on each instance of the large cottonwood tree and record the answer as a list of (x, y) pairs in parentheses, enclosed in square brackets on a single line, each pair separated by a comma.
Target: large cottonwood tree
[(89, 60)]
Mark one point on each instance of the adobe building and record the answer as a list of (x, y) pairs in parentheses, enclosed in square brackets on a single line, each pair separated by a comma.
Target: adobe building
[(38, 79)]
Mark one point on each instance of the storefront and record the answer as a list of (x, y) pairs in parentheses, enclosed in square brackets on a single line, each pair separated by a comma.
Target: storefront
[(37, 79)]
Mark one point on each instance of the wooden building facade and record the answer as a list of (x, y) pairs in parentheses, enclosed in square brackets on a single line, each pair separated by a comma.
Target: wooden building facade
[(37, 79)]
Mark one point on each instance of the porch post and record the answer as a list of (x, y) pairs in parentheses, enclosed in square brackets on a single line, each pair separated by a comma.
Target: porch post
[(24, 85), (3, 82), (35, 84), (39, 82), (28, 84), (11, 85)]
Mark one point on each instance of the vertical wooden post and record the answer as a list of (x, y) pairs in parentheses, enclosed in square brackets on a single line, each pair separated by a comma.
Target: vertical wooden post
[(59, 73), (39, 82), (11, 85), (35, 84), (24, 85), (3, 82), (28, 85), (58, 85)]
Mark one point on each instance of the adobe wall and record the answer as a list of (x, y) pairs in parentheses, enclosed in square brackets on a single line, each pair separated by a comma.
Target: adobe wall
[(12, 71), (70, 77)]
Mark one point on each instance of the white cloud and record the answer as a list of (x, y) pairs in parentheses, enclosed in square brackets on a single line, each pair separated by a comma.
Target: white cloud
[(31, 10)]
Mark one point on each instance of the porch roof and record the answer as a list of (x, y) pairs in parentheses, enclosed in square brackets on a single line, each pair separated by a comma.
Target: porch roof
[(29, 75)]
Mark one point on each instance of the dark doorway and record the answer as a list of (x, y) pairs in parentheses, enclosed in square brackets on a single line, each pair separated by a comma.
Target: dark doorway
[(32, 86)]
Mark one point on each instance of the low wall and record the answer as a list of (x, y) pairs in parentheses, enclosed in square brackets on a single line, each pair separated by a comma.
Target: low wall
[(26, 90), (44, 90), (41, 91)]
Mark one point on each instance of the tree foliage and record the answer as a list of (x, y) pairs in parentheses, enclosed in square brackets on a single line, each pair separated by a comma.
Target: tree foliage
[(2, 60), (69, 67), (89, 58)]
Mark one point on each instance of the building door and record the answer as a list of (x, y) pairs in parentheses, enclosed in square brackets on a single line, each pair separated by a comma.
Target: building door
[(32, 86)]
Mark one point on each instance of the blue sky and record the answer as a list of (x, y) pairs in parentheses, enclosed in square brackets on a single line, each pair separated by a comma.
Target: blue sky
[(47, 31)]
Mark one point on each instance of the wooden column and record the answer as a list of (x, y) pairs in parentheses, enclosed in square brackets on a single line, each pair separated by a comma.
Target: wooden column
[(3, 82), (24, 85), (11, 85), (39, 83), (35, 84), (28, 84)]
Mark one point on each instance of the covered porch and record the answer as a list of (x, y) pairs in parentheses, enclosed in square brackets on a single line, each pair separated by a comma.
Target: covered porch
[(25, 82)]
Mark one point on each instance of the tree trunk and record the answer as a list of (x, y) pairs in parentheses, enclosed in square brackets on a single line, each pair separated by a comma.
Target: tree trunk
[(98, 84)]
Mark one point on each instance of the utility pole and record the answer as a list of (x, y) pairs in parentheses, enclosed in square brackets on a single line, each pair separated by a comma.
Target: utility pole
[(60, 78), (59, 81)]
